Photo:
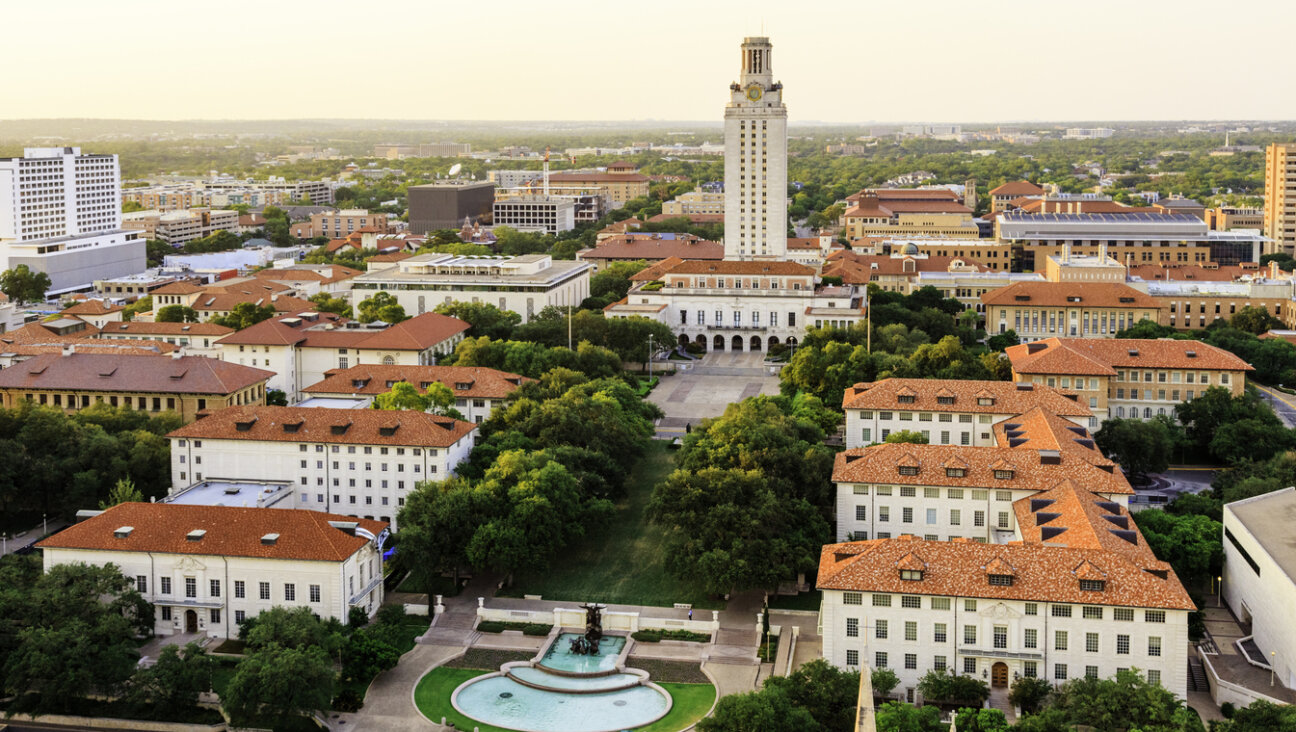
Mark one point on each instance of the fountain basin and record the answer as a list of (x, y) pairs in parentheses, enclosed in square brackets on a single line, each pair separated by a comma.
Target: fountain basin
[(561, 660), (501, 701), (538, 678)]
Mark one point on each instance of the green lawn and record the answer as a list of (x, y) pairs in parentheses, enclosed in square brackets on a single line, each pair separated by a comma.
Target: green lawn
[(432, 696), (622, 563), (804, 601)]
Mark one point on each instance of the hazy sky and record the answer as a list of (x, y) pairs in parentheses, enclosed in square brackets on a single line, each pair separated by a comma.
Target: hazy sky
[(860, 61)]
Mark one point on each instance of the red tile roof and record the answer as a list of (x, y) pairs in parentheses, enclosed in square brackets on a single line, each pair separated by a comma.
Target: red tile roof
[(111, 372), (92, 307), (858, 269), (1070, 294), (639, 246), (1101, 356), (870, 208), (184, 287), (742, 268), (120, 347), (1042, 573), (163, 528), (1017, 188), (693, 218), (1200, 273), (321, 424), (904, 194), (416, 334), (1005, 397), (598, 178), (142, 327), (466, 381)]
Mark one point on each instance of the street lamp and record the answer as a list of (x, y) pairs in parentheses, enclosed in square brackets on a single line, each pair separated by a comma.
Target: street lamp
[(1271, 667), (650, 354), (1219, 592)]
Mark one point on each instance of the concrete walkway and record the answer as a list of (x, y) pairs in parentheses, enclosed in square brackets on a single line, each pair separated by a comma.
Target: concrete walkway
[(389, 704)]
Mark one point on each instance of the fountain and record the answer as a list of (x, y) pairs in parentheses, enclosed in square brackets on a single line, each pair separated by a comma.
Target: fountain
[(577, 683)]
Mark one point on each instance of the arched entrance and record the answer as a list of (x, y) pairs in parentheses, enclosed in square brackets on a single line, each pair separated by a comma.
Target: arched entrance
[(791, 341), (999, 675), (683, 340), (701, 341), (755, 343), (773, 341), (719, 343), (737, 343), (191, 621)]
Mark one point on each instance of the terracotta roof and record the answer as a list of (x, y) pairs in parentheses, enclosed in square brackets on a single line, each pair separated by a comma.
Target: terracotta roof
[(184, 287), (390, 257), (1041, 205), (120, 347), (905, 194), (466, 381), (1068, 515), (221, 302), (803, 242), (741, 268), (858, 269), (1044, 573), (1200, 273), (416, 334), (92, 307), (1069, 294), (37, 333), (336, 244), (1060, 355), (112, 372), (142, 327), (656, 271), (637, 246), (321, 424), (1017, 188), (163, 528), (885, 209), (879, 464), (334, 273), (1006, 397)]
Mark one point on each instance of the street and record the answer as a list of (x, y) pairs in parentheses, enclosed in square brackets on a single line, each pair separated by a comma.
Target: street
[(1283, 404)]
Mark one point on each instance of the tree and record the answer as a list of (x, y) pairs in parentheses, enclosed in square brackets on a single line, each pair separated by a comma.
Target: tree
[(172, 684), (276, 398), (245, 315), (291, 628), (948, 687), (176, 314), (981, 720), (828, 693), (767, 710), (906, 436), (277, 684), (485, 319), (123, 491), (728, 528), (327, 303), (896, 716), (884, 681), (1148, 329), (365, 656), (1001, 341), (22, 286), (1190, 543), (437, 523), (403, 395), (156, 252), (1029, 693), (142, 305), (1140, 447), (1222, 426), (1127, 701), (1260, 716), (1255, 320), (382, 307)]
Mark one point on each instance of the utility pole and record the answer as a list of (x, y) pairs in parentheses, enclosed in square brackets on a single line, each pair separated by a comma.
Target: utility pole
[(868, 321), (650, 352), (569, 327)]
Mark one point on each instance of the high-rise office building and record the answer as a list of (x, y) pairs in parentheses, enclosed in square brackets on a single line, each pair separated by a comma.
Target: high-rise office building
[(60, 213), (756, 159), (1280, 197)]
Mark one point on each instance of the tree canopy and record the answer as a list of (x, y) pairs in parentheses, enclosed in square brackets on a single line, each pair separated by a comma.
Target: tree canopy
[(381, 307), (245, 315), (483, 318), (22, 286)]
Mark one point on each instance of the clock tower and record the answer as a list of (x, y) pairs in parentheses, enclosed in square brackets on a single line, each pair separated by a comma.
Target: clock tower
[(756, 159)]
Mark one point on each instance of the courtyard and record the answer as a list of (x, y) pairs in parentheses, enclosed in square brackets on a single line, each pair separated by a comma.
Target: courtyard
[(710, 384)]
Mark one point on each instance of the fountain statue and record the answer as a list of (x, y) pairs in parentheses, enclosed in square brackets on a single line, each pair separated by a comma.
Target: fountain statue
[(588, 644)]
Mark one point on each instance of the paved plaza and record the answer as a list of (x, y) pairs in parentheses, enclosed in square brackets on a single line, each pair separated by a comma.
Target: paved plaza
[(709, 385)]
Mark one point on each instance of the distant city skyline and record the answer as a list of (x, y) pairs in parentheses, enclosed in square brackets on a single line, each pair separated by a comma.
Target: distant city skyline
[(939, 61)]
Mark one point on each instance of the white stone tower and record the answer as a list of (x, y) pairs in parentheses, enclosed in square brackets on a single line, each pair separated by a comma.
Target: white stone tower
[(756, 159)]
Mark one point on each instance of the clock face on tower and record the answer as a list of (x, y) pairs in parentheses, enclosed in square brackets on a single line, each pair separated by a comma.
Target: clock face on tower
[(754, 93)]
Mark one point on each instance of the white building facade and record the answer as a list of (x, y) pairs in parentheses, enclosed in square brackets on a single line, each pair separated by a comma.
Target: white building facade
[(206, 569), (756, 159), (358, 462), (1258, 584), (60, 213)]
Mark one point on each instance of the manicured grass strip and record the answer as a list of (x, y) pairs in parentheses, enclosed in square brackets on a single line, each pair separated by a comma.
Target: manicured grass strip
[(804, 601), (691, 702), (622, 563), (677, 672), (487, 659), (432, 696)]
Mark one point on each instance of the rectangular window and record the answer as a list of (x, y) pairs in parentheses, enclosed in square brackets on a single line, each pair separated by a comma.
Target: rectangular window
[(1059, 640), (939, 634), (1091, 642), (911, 660), (214, 586), (852, 627), (1061, 611), (1123, 614), (911, 631), (1001, 636), (1030, 669), (263, 589), (215, 615), (906, 515), (239, 616), (880, 629), (969, 635), (290, 593), (1154, 646), (1122, 645), (1060, 671), (852, 658), (1031, 638), (314, 593), (1092, 613), (1154, 676), (880, 659), (969, 666), (191, 587), (881, 601), (912, 601), (1032, 608), (861, 513), (166, 613), (1091, 672), (939, 663), (970, 605), (940, 603), (239, 589), (852, 598), (141, 584), (1154, 616), (931, 516)]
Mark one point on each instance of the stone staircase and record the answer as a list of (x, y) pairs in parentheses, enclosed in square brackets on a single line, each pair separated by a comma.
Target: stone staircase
[(1197, 675), (454, 628), (999, 700)]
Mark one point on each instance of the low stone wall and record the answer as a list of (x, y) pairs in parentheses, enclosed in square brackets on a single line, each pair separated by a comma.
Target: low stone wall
[(625, 622), (114, 723), (1225, 691)]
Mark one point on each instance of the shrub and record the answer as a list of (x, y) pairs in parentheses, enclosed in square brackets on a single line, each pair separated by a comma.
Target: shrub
[(391, 614), (647, 636), (884, 682), (357, 617), (347, 700), (695, 348), (536, 629), (490, 626), (1228, 710)]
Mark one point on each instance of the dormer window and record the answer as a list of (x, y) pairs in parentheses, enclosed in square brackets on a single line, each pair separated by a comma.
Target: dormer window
[(1000, 580), (906, 398), (911, 575), (908, 469), (985, 401), (955, 472), (944, 400), (1003, 474), (1091, 585)]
